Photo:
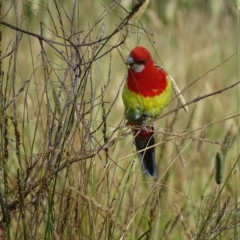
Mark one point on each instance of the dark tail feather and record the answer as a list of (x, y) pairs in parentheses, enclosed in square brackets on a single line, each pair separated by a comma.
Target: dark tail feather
[(145, 139)]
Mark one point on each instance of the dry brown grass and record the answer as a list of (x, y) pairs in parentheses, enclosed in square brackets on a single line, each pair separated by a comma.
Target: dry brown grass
[(69, 168)]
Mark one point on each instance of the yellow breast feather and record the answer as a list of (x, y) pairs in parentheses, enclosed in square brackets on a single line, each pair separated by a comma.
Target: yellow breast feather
[(136, 104)]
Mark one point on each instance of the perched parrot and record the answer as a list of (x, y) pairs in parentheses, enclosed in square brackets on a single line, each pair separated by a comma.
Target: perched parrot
[(146, 93)]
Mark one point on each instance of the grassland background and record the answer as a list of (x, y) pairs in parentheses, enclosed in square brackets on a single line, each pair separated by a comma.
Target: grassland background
[(69, 168)]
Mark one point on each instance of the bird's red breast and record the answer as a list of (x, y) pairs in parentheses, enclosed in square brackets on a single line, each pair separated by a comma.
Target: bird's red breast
[(151, 82)]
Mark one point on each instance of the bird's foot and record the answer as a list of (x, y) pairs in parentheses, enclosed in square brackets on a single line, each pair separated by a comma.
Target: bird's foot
[(145, 117)]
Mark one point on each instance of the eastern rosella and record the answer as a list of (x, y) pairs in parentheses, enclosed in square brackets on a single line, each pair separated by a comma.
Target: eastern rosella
[(147, 91)]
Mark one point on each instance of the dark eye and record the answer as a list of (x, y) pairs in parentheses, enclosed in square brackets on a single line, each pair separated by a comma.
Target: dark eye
[(140, 62)]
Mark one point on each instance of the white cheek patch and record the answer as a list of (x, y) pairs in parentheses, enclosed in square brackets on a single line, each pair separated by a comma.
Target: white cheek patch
[(137, 67)]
